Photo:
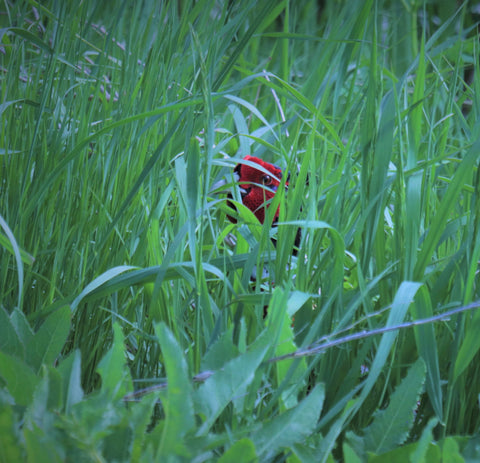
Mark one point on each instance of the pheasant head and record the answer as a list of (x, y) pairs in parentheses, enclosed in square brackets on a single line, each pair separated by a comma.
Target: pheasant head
[(258, 185)]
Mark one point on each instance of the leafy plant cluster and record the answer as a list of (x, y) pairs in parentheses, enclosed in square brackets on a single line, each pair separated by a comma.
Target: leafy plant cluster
[(131, 331)]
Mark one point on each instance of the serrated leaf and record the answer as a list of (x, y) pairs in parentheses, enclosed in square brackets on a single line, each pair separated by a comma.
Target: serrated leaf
[(404, 296), (390, 427), (140, 419), (232, 380), (291, 427), (178, 405), (290, 373)]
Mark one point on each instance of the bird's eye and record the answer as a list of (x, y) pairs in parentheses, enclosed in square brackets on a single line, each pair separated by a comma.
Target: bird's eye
[(267, 180)]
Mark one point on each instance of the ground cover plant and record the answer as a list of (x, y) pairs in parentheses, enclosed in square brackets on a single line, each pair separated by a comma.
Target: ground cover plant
[(131, 331)]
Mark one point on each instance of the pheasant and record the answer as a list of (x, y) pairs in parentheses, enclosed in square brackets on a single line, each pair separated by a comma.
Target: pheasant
[(258, 186)]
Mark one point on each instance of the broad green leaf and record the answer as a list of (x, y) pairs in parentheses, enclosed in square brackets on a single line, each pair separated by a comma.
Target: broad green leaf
[(10, 449), (116, 444), (471, 448), (242, 451), (56, 396), (290, 427), (419, 453), (220, 352), (375, 101), (403, 298), (10, 342), (231, 381), (116, 381), (22, 327), (451, 450), (178, 404), (49, 340), (37, 412), (41, 447), (403, 453), (306, 452), (19, 377), (390, 427), (290, 373), (70, 371), (349, 454), (140, 419)]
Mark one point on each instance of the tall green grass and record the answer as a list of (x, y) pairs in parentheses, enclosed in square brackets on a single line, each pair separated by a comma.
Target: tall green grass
[(130, 330)]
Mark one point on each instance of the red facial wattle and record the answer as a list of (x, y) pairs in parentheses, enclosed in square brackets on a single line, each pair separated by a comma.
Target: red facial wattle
[(257, 186)]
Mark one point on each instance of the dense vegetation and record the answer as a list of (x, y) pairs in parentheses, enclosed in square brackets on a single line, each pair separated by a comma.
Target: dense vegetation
[(129, 330)]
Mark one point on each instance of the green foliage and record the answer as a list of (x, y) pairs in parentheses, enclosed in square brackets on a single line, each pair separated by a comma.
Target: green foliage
[(131, 331), (390, 427)]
